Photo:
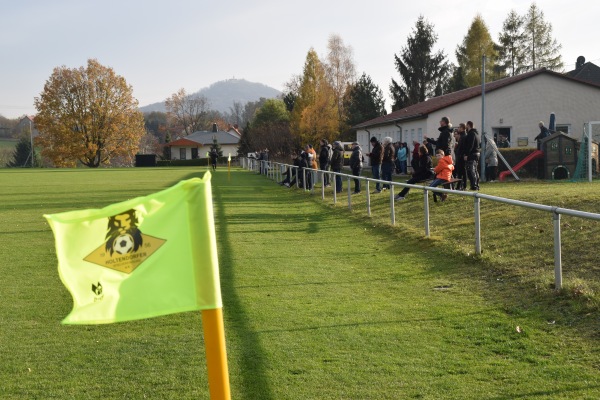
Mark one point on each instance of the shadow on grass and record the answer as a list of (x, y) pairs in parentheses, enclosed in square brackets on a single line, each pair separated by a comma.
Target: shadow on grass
[(574, 312), (546, 393), (253, 363)]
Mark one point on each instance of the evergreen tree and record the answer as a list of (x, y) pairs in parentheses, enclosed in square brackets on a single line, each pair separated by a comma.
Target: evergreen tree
[(477, 43), (421, 71), (216, 146), (246, 144), (511, 54), (542, 49), (457, 82), (364, 101), (22, 154)]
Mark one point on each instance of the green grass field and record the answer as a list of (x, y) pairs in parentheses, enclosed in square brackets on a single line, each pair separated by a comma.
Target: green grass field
[(319, 302)]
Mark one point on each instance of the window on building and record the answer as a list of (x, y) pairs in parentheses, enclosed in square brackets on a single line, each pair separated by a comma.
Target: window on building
[(420, 135), (182, 153), (564, 128)]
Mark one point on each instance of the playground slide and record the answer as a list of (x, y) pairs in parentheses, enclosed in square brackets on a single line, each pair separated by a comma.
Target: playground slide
[(533, 156)]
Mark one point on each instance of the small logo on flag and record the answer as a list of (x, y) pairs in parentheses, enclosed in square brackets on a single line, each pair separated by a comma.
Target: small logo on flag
[(125, 247)]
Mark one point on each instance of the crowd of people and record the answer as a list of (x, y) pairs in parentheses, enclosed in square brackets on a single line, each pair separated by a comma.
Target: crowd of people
[(457, 150)]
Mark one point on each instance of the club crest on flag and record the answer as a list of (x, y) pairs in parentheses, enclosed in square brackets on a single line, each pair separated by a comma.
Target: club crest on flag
[(125, 247)]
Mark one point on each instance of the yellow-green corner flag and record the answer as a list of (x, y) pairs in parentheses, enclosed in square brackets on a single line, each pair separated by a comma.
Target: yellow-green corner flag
[(141, 258)]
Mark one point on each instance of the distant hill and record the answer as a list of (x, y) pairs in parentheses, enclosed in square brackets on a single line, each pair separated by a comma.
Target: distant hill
[(222, 94)]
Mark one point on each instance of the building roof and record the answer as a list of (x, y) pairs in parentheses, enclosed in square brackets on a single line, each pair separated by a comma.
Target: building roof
[(588, 72), (421, 110), (205, 138)]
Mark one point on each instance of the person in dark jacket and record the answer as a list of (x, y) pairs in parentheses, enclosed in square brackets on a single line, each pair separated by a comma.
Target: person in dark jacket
[(414, 161), (472, 150), (337, 162), (356, 165), (459, 152), (421, 173), (544, 132), (445, 139), (375, 158), (214, 156), (290, 174), (325, 160), (387, 162)]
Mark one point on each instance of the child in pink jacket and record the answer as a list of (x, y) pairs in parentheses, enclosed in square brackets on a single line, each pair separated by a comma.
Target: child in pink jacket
[(443, 172)]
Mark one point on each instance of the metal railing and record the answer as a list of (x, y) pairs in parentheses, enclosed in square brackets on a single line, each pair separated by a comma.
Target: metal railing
[(274, 171)]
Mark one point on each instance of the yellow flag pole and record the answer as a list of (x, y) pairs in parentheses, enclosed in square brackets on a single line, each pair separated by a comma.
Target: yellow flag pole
[(216, 355)]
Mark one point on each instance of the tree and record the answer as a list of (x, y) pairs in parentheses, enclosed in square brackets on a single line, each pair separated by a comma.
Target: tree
[(457, 81), (542, 49), (315, 114), (246, 144), (237, 113), (166, 148), (88, 115), (22, 154), (421, 71), (216, 146), (341, 73), (188, 113), (364, 101), (270, 128), (511, 44), (477, 43)]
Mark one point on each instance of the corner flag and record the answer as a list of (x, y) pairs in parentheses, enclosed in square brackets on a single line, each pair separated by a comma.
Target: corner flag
[(141, 258)]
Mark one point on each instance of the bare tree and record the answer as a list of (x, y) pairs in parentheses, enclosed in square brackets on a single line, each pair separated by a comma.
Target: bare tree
[(237, 112), (341, 72), (189, 113)]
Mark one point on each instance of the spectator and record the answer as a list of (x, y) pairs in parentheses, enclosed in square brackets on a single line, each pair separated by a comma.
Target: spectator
[(491, 163), (429, 147), (305, 177), (544, 132), (445, 139), (472, 149), (324, 160), (387, 162), (459, 152), (289, 171), (415, 155), (443, 172), (337, 162), (421, 171), (375, 158), (503, 143), (402, 157), (356, 165)]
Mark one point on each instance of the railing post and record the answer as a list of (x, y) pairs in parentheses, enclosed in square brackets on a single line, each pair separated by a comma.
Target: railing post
[(304, 179), (368, 200), (349, 195), (334, 190), (313, 177), (477, 213), (426, 206), (557, 252), (392, 209), (322, 187)]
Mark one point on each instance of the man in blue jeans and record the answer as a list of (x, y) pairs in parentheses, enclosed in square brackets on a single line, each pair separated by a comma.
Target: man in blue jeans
[(375, 158)]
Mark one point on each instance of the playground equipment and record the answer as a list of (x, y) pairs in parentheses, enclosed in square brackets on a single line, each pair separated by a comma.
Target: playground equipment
[(533, 156)]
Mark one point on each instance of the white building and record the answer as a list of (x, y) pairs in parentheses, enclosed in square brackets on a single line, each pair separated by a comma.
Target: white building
[(197, 144), (513, 108)]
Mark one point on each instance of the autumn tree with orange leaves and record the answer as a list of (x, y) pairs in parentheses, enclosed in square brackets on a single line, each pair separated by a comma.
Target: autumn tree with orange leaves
[(88, 115)]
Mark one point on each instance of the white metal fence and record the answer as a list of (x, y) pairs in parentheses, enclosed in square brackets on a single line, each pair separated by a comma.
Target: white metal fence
[(275, 172)]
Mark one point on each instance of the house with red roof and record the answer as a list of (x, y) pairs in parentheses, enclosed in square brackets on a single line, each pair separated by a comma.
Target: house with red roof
[(197, 144), (513, 108)]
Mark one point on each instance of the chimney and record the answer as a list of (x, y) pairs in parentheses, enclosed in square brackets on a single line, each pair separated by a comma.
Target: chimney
[(580, 62), (214, 127)]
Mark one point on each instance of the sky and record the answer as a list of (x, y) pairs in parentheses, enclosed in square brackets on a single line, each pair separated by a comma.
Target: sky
[(162, 46)]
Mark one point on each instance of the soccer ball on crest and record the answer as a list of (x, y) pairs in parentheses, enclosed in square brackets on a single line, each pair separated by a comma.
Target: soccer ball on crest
[(123, 244)]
